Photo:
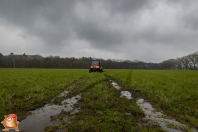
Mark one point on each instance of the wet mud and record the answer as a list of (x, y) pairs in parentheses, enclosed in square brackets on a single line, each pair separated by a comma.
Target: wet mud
[(48, 115), (159, 118), (41, 117), (152, 116)]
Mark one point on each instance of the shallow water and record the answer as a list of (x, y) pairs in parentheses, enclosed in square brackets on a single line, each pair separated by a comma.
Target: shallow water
[(158, 117), (115, 85), (40, 117), (126, 94)]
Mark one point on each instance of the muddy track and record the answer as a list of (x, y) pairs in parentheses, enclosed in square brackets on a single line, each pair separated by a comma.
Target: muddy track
[(136, 94), (44, 114), (71, 118), (152, 116), (51, 101), (78, 108), (51, 113)]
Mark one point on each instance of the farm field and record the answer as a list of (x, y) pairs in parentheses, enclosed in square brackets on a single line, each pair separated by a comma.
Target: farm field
[(25, 89), (175, 92), (100, 107)]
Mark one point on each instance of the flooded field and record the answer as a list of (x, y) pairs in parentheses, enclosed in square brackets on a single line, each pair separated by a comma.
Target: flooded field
[(41, 117)]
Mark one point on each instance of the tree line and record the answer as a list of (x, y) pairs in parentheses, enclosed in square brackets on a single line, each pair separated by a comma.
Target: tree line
[(189, 62)]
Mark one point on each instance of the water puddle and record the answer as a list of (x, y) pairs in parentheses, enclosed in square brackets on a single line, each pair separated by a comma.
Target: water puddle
[(115, 85), (159, 118), (126, 94), (153, 117), (39, 118)]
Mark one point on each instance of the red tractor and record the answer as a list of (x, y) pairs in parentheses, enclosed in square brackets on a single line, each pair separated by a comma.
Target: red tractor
[(95, 66)]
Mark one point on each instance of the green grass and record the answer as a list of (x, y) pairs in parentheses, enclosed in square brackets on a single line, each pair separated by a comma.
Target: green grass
[(101, 108), (176, 92), (22, 90)]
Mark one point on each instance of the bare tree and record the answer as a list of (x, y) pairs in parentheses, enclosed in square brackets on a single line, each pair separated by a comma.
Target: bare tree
[(190, 64), (193, 59), (185, 62)]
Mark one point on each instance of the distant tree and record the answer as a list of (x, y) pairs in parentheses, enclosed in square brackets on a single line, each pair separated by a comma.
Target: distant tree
[(192, 59), (196, 56), (168, 64), (185, 62), (37, 61), (1, 60), (190, 64), (23, 59), (178, 63), (13, 59)]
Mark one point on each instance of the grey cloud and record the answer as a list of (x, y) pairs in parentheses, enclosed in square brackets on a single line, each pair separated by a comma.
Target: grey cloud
[(99, 36), (99, 32), (58, 17), (190, 19), (53, 21), (187, 14), (128, 6), (47, 20), (109, 25)]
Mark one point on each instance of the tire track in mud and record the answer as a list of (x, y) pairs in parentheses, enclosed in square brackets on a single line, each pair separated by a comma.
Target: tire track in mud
[(37, 119), (152, 116), (60, 109), (63, 109), (70, 116), (102, 110)]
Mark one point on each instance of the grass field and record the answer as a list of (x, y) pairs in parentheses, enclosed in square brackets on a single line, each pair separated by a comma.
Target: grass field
[(25, 89), (101, 108), (175, 92)]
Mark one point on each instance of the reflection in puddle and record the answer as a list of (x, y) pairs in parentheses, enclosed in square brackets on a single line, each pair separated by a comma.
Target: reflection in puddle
[(39, 118), (126, 94)]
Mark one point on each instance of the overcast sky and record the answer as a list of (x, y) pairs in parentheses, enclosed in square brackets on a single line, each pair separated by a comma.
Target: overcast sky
[(146, 30)]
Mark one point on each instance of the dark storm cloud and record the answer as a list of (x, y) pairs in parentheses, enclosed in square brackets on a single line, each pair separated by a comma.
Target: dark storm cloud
[(124, 28), (100, 36), (47, 20), (99, 30), (54, 21), (127, 6)]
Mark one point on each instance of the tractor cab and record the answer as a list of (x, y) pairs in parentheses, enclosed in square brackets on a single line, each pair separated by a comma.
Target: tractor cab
[(95, 66)]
